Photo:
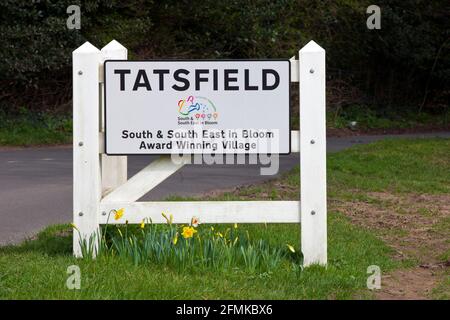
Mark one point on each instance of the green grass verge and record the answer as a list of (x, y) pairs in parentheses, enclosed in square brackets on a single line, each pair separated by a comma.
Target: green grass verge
[(37, 268), (416, 165), (28, 129)]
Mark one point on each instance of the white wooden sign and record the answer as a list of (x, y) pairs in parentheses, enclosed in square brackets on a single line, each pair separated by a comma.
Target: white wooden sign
[(100, 181), (192, 107)]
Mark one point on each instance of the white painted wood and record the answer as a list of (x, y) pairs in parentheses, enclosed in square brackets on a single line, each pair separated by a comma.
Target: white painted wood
[(114, 169), (86, 163), (313, 154), (101, 142), (206, 211), (144, 181), (295, 141), (294, 69)]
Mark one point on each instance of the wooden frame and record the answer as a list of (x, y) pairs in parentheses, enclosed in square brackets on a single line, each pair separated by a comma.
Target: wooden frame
[(101, 185)]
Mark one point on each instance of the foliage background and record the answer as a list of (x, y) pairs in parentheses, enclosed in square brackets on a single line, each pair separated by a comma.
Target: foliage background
[(403, 66)]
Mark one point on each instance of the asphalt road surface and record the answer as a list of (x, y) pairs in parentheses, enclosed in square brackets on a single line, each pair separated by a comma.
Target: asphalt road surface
[(36, 183)]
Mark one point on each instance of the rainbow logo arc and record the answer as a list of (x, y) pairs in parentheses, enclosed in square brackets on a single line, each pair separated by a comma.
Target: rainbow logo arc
[(201, 107)]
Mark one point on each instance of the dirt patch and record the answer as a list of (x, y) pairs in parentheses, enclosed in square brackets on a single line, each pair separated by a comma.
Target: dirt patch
[(416, 226), (409, 284), (268, 190)]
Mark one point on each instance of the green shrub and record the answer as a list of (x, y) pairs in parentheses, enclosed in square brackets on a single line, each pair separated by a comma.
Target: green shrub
[(405, 63)]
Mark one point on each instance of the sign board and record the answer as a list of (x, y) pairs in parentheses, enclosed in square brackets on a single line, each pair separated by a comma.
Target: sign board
[(197, 106)]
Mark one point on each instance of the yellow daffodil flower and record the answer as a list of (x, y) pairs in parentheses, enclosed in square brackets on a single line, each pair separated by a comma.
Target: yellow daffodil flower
[(235, 225), (74, 226), (119, 213), (291, 248), (188, 232), (143, 224)]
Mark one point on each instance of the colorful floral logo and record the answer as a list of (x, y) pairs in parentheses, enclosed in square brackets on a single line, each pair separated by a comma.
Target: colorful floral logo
[(198, 107)]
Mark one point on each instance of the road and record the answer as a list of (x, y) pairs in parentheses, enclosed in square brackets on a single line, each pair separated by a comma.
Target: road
[(36, 183)]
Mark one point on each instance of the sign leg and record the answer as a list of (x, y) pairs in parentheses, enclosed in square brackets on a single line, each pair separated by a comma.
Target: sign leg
[(313, 155), (86, 159)]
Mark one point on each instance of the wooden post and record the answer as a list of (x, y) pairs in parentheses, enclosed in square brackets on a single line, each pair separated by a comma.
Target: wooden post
[(313, 155), (113, 169), (86, 160)]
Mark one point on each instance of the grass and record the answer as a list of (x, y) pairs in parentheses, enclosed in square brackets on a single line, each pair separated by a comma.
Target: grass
[(38, 268), (369, 118), (393, 165), (29, 129), (441, 292)]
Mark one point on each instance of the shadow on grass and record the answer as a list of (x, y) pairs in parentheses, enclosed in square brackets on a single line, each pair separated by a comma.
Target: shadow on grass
[(52, 241)]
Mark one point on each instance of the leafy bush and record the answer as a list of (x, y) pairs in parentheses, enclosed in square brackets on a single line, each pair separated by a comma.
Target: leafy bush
[(406, 63), (38, 40), (37, 45)]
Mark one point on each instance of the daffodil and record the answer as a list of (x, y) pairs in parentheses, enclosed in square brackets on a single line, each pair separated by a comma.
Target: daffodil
[(195, 222), (143, 224), (188, 232), (291, 248), (171, 219), (235, 225), (74, 226), (119, 214), (165, 217), (175, 239)]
